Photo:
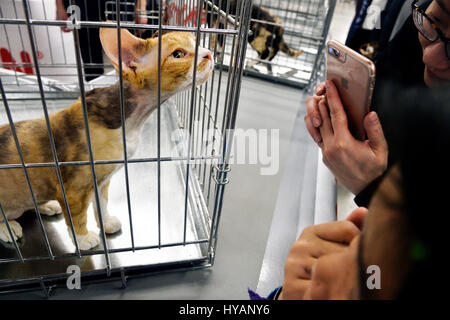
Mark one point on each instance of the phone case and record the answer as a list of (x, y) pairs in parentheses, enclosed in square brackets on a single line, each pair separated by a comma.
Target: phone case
[(354, 76)]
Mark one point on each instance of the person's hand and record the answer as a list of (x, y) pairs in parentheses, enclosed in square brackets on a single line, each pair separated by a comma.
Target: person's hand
[(315, 242), (354, 163), (61, 14)]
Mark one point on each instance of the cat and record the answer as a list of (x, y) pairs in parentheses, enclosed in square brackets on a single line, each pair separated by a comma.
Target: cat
[(266, 38), (140, 84)]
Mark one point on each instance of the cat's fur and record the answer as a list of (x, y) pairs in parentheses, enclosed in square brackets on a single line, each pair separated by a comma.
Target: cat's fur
[(140, 70), (266, 38)]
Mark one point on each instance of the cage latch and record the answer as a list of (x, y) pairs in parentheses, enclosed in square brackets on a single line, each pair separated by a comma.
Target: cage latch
[(220, 170)]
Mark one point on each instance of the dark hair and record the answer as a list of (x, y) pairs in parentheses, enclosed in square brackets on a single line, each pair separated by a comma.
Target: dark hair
[(416, 122)]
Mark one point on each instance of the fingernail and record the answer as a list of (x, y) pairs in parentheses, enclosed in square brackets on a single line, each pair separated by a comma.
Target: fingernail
[(319, 88), (373, 118), (316, 122)]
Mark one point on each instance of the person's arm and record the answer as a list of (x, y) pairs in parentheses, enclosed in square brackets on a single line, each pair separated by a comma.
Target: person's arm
[(141, 7), (61, 14), (354, 163)]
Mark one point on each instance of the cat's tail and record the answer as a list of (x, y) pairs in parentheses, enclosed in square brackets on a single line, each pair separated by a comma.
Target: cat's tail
[(289, 51)]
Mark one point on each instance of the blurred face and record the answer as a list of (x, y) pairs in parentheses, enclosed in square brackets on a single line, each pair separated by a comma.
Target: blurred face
[(437, 65), (383, 243)]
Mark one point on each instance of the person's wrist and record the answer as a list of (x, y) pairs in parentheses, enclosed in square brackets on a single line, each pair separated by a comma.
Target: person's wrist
[(357, 189)]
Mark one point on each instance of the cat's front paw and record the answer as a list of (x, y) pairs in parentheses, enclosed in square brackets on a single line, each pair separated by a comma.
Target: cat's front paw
[(16, 230), (50, 208), (88, 241), (112, 225)]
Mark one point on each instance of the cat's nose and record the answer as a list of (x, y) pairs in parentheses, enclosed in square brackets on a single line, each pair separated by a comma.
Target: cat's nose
[(208, 56)]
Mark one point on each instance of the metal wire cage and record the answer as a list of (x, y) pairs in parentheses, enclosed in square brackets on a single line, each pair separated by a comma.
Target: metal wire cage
[(169, 196), (305, 25)]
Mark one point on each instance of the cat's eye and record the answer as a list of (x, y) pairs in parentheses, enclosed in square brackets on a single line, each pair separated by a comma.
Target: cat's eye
[(178, 54)]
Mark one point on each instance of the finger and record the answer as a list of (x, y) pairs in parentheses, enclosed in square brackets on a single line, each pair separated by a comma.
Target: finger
[(357, 217), (339, 231), (337, 112), (326, 129), (320, 247), (312, 110), (320, 89), (374, 131), (300, 266), (320, 282), (313, 131), (305, 268)]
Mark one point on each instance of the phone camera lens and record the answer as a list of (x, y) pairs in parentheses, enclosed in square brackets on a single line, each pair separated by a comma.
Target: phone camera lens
[(333, 52)]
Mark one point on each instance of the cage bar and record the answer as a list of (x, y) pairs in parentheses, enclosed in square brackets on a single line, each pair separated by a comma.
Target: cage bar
[(122, 115)]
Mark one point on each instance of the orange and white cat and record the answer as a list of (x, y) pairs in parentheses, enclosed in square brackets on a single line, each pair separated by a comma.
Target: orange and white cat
[(140, 74)]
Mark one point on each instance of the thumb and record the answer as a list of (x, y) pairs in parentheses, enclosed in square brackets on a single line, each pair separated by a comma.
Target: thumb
[(374, 131), (357, 217)]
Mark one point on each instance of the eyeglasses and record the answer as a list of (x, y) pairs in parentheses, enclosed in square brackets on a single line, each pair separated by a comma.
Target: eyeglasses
[(428, 28)]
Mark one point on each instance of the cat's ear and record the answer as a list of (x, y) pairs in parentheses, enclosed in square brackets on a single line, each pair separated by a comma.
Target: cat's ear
[(133, 49)]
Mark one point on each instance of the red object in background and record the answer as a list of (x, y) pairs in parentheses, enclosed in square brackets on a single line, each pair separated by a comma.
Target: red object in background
[(11, 64), (8, 59), (191, 15), (184, 15), (27, 66)]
